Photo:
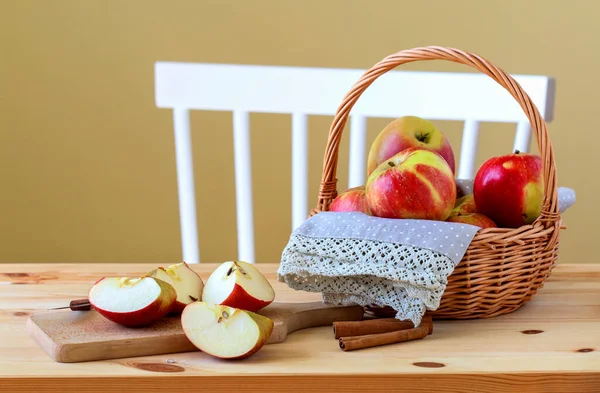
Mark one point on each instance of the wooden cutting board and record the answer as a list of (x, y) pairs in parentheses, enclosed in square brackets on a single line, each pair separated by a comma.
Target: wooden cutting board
[(78, 336)]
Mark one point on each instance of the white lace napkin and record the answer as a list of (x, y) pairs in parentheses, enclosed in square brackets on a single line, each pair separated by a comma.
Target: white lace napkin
[(353, 258)]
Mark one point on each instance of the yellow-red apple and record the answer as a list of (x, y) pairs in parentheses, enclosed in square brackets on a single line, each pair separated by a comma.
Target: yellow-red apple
[(351, 200), (509, 189), (132, 301), (415, 183), (464, 205), (238, 284), (473, 219), (406, 132)]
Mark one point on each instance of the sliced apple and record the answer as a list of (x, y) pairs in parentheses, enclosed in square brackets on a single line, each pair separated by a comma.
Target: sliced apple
[(225, 332), (132, 301), (240, 285), (187, 283)]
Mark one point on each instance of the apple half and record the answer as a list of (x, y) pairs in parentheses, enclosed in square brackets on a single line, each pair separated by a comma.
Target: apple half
[(225, 332), (240, 285), (132, 302), (187, 284)]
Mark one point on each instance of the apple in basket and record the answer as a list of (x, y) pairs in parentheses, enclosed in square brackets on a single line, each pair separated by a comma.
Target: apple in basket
[(238, 284), (351, 200), (415, 183), (132, 302), (406, 132), (187, 283), (473, 219), (225, 332), (464, 205), (509, 189)]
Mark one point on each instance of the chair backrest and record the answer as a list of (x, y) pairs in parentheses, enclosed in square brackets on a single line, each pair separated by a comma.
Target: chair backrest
[(303, 91)]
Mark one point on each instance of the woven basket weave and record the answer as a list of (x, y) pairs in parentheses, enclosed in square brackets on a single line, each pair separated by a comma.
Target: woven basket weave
[(502, 268)]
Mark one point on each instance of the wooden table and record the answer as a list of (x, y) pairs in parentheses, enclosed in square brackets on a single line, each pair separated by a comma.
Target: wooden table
[(551, 344)]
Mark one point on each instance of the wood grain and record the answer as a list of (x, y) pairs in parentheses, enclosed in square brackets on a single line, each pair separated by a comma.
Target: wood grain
[(489, 355), (443, 383), (80, 336)]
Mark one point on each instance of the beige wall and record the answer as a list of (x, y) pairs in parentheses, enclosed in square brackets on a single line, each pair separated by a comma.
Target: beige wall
[(87, 160)]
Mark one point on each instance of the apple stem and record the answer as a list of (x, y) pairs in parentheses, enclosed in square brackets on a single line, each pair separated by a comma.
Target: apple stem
[(193, 298)]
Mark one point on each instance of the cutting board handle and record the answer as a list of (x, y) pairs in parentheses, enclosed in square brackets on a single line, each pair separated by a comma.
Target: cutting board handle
[(298, 316)]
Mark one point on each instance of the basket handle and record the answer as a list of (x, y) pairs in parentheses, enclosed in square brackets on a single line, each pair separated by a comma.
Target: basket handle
[(327, 190)]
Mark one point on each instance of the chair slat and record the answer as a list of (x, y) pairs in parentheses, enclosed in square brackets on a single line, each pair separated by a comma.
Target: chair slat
[(523, 137), (358, 151), (468, 150), (299, 169), (243, 186), (185, 184)]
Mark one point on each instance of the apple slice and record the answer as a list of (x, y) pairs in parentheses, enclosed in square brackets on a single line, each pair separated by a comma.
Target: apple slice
[(187, 284), (132, 301), (225, 332), (240, 285)]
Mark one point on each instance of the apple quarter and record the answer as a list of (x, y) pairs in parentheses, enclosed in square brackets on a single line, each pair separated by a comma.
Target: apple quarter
[(238, 284), (132, 301), (225, 332)]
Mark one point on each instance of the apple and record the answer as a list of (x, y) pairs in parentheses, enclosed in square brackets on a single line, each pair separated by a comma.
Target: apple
[(464, 205), (351, 200), (225, 332), (132, 301), (473, 219), (238, 284), (509, 189), (415, 183), (187, 283), (406, 132)]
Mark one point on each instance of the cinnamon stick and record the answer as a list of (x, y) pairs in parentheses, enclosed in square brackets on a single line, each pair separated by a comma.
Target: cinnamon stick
[(376, 326), (374, 340)]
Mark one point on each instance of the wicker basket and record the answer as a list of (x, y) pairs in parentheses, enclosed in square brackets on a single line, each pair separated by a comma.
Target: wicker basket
[(502, 268)]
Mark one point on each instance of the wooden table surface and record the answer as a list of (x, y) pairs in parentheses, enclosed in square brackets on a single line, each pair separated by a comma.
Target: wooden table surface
[(552, 344)]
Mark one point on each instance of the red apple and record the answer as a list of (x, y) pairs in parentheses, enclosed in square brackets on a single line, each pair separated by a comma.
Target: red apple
[(415, 183), (132, 301), (473, 219), (464, 205), (187, 283), (404, 133), (351, 200), (240, 285), (509, 189), (225, 332)]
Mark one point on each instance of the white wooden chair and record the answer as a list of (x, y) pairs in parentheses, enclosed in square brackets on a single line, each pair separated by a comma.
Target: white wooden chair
[(299, 91)]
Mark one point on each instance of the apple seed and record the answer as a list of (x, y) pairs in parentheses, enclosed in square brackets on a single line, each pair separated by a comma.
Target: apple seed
[(239, 267), (225, 314), (391, 163)]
